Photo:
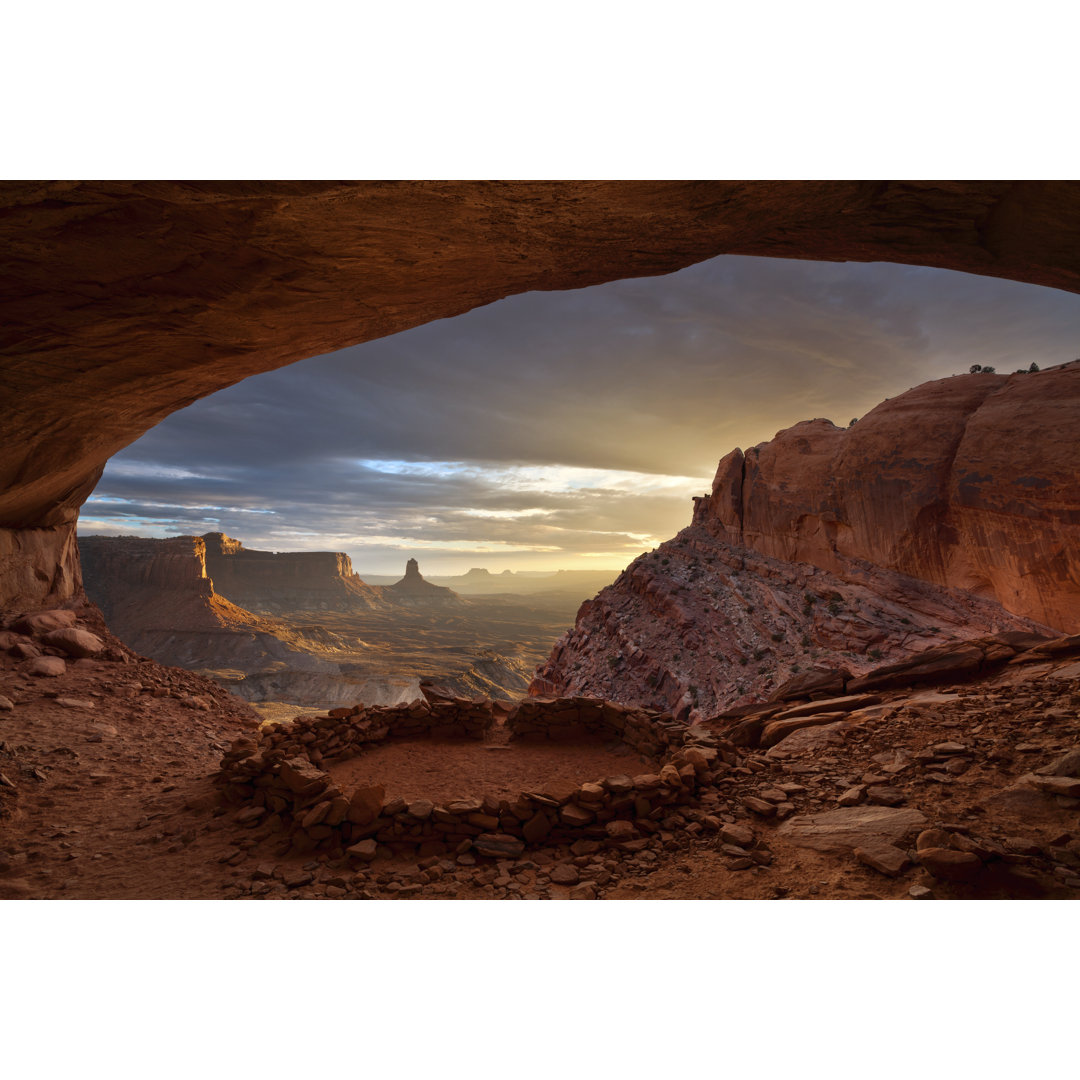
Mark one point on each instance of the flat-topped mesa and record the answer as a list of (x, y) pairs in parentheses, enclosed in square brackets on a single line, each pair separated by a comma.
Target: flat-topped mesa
[(157, 598), (413, 590), (164, 567), (273, 581)]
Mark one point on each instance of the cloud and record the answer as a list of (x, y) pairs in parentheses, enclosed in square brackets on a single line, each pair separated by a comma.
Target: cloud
[(562, 424)]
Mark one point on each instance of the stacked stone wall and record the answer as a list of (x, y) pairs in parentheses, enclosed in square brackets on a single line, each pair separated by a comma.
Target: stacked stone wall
[(648, 732), (280, 779)]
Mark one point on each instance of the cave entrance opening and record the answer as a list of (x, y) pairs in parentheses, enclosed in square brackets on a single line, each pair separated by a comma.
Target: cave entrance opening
[(546, 432)]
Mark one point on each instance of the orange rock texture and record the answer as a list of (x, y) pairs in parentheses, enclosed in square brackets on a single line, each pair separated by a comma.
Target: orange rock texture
[(155, 595), (969, 482), (945, 514), (121, 302)]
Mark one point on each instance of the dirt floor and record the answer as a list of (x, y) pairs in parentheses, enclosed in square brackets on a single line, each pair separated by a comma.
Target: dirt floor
[(446, 769), (106, 792)]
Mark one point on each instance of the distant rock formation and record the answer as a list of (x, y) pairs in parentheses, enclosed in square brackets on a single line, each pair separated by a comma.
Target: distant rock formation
[(156, 597), (275, 582), (414, 591), (944, 514)]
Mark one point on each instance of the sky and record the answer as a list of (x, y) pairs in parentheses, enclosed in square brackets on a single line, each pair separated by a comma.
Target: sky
[(561, 430)]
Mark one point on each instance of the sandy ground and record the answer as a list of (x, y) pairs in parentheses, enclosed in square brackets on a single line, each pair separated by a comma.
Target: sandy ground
[(107, 793), (447, 769)]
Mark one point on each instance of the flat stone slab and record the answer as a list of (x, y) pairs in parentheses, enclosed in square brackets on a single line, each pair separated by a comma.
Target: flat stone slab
[(777, 730), (836, 704), (851, 827), (806, 739)]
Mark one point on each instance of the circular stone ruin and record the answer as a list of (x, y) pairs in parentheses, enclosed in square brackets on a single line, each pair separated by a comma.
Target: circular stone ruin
[(337, 782)]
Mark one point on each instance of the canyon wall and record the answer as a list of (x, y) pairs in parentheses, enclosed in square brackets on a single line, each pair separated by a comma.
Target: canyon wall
[(943, 514), (970, 482), (273, 582), (156, 597), (123, 301)]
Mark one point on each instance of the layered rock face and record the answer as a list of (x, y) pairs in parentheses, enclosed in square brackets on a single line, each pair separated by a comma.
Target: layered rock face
[(137, 298), (156, 597), (273, 582), (939, 516), (954, 482)]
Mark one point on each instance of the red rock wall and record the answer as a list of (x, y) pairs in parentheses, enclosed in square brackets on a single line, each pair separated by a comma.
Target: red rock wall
[(271, 581), (124, 301), (970, 482)]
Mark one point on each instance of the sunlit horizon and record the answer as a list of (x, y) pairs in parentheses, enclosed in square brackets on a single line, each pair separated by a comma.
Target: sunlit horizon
[(561, 430)]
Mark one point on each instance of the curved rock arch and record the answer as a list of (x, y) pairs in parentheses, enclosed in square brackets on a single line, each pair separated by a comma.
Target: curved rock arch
[(121, 302)]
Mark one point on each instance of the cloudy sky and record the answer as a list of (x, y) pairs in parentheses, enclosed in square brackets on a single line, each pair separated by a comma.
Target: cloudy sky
[(565, 429)]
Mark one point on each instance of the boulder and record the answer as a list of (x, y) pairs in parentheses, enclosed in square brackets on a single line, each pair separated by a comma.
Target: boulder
[(948, 865), (74, 641), (777, 730), (851, 827), (498, 845), (365, 804), (46, 666), (43, 622), (884, 858)]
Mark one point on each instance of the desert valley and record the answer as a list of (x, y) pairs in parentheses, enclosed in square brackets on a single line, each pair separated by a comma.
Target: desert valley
[(853, 673)]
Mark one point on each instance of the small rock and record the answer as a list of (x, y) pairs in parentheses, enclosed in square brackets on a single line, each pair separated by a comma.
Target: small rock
[(585, 891), (947, 865), (853, 796), (74, 703), (498, 845), (365, 804), (6, 704), (620, 830), (772, 794), (564, 874), (880, 795), (364, 851), (536, 828), (739, 835), (46, 667), (759, 806), (1068, 765), (75, 642), (884, 858), (933, 838), (1068, 786), (44, 621), (920, 892), (576, 816), (420, 808)]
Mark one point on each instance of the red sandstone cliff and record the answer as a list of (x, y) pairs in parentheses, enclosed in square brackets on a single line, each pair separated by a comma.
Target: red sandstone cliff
[(137, 298), (943, 514), (971, 482), (272, 581), (156, 597)]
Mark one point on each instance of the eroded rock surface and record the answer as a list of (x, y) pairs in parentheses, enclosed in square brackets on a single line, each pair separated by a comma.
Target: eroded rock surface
[(137, 298), (826, 553), (157, 598), (270, 582)]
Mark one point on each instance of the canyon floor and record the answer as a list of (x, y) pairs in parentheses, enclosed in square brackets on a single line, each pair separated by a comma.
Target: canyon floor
[(107, 794), (489, 646)]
